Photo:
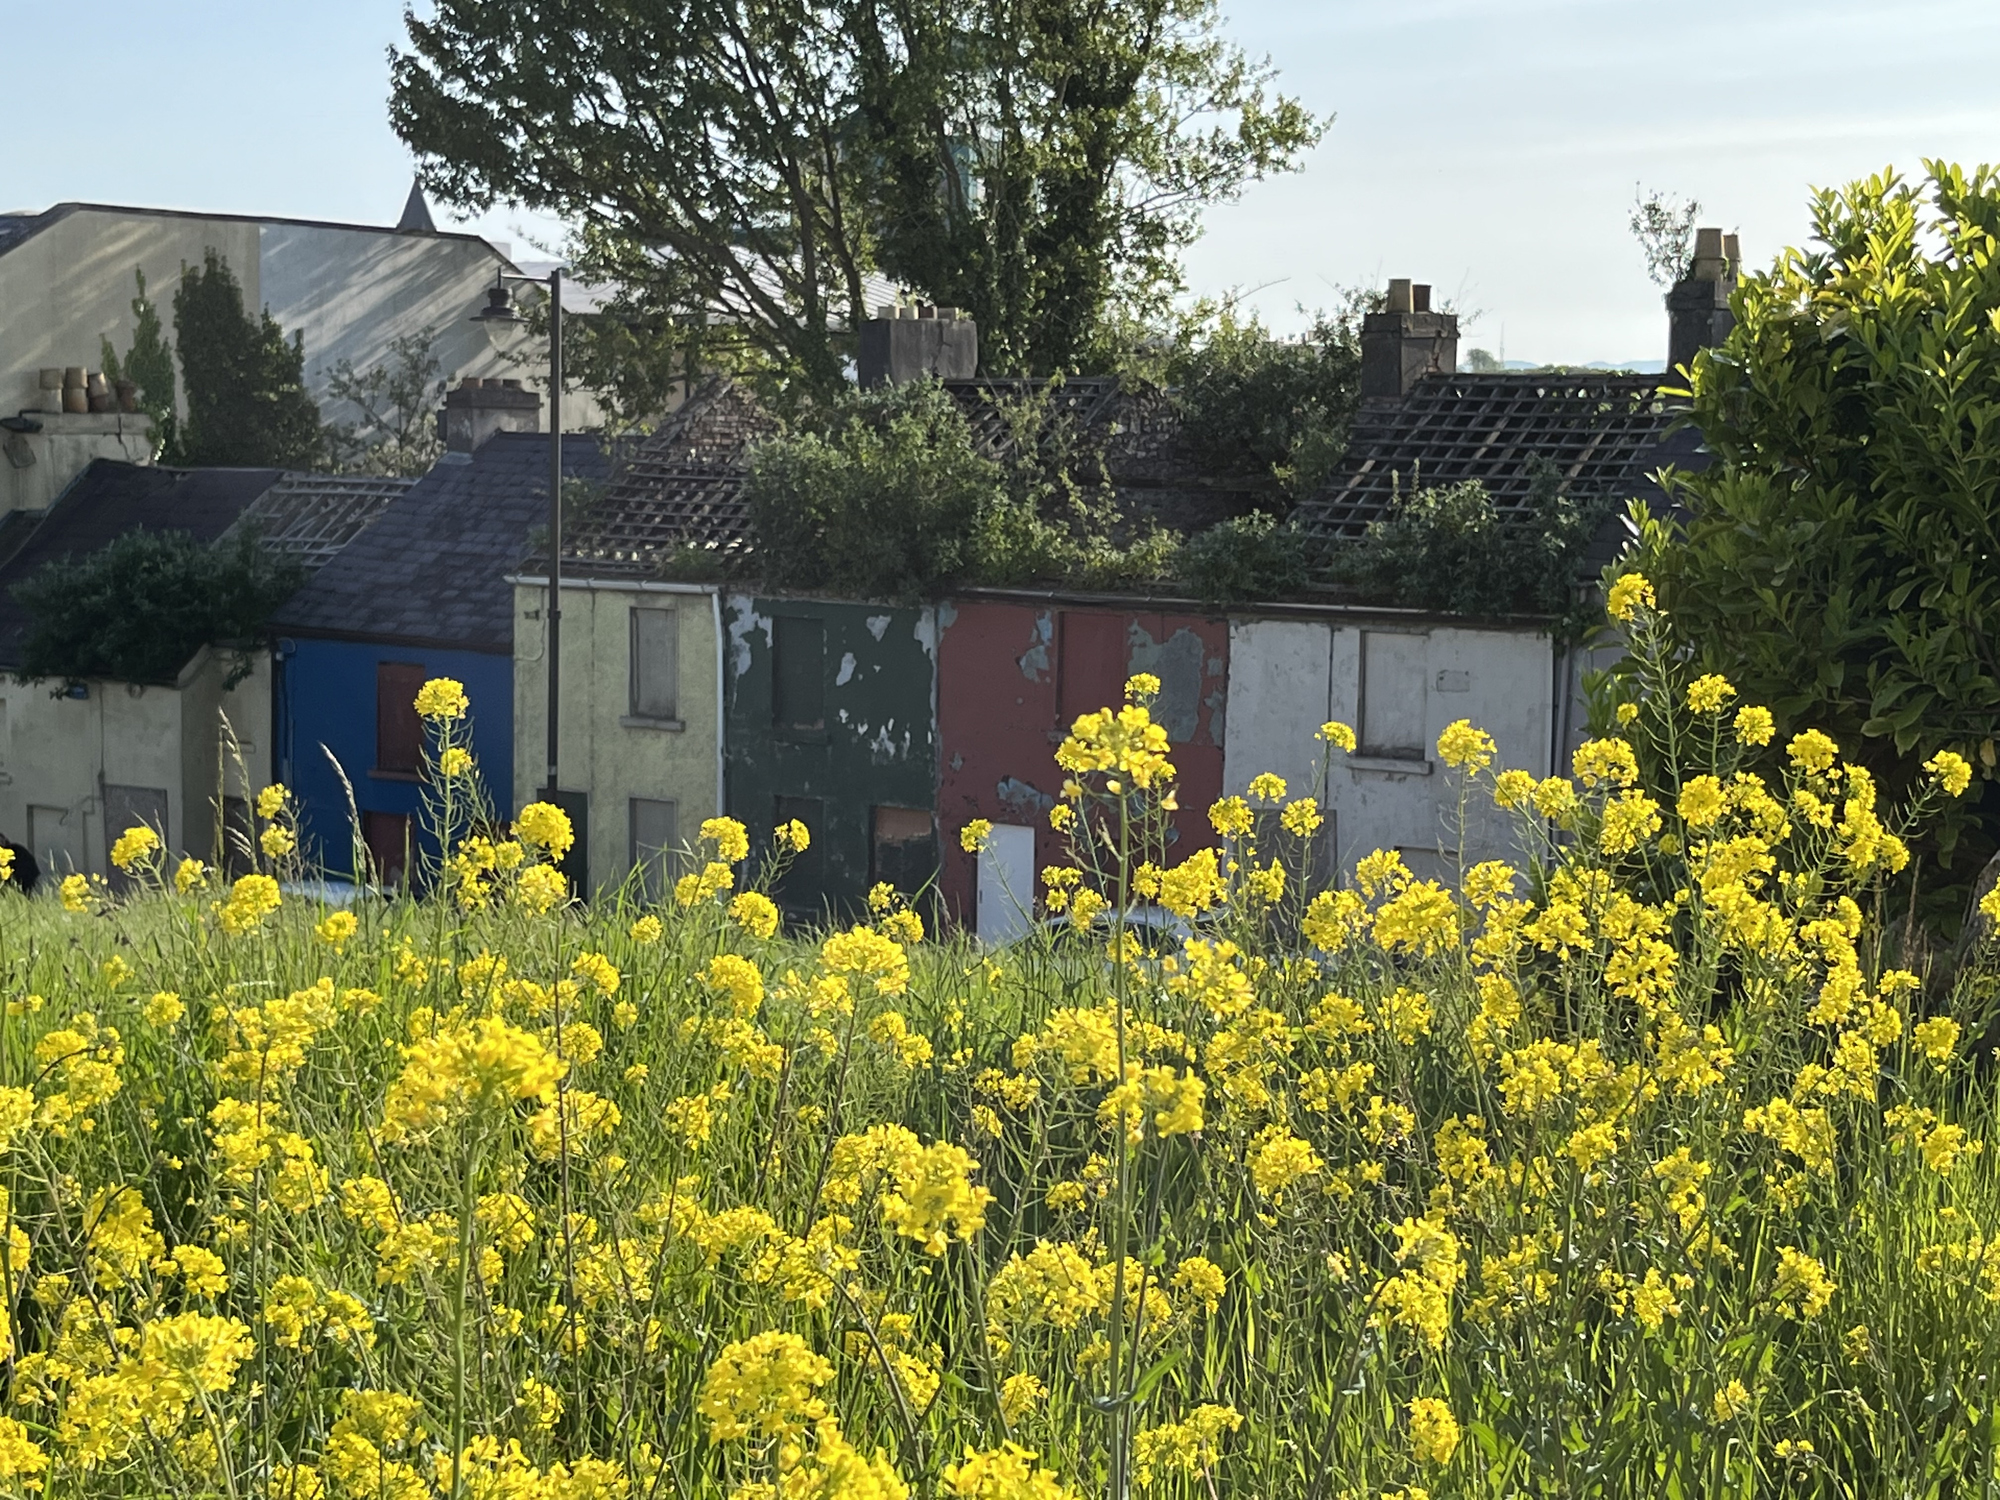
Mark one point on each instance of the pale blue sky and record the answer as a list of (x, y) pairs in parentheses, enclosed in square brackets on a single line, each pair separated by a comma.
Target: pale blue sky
[(1490, 147)]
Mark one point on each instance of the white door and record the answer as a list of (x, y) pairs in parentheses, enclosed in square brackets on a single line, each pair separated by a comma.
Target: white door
[(1007, 884)]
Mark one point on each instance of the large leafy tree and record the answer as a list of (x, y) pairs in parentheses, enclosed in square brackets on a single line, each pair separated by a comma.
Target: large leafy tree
[(1037, 163), (739, 168), (1841, 559)]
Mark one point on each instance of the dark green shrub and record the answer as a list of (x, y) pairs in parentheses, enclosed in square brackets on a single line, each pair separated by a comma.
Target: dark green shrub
[(138, 609)]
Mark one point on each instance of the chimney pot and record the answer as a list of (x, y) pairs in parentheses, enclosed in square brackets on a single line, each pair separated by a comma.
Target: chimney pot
[(470, 383), (1420, 298), (1400, 295), (886, 310)]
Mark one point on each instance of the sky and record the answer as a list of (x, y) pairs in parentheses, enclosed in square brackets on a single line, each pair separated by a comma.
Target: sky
[(1492, 148)]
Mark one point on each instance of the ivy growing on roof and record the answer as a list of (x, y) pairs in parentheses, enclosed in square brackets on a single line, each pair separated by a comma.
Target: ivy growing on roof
[(888, 494), (139, 608)]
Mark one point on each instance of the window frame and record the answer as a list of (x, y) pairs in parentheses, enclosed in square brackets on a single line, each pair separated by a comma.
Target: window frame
[(636, 714)]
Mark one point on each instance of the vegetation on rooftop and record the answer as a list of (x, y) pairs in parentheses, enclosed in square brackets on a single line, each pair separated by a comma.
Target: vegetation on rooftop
[(140, 607), (394, 429), (887, 493)]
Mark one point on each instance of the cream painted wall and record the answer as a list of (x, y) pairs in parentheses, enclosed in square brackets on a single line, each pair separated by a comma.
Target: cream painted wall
[(604, 755), (1287, 677), (59, 753)]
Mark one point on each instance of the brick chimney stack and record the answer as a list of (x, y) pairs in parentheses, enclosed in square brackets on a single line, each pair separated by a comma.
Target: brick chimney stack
[(906, 343), (1698, 315), (475, 409), (1405, 342)]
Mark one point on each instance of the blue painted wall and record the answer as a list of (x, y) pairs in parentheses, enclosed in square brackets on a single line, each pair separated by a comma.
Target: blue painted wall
[(324, 694)]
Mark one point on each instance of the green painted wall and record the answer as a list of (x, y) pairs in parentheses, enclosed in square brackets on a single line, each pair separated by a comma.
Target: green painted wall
[(831, 716)]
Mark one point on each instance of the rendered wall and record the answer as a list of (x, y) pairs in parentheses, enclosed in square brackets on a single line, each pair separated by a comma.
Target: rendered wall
[(325, 696), (60, 753), (65, 289), (351, 291), (605, 754), (1287, 677), (878, 748), (35, 467), (1012, 676)]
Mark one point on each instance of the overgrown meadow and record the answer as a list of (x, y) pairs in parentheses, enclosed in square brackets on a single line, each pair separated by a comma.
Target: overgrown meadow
[(1636, 1169)]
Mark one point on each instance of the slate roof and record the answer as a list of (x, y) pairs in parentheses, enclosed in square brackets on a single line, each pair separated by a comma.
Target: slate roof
[(307, 517), (110, 498), (431, 571), (1605, 434), (683, 487)]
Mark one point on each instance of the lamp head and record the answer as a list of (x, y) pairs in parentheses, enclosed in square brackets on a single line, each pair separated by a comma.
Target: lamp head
[(499, 308)]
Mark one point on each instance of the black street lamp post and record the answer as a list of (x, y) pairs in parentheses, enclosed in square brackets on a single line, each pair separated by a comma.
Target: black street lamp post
[(498, 312)]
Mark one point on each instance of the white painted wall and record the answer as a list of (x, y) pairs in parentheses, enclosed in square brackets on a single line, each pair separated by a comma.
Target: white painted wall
[(57, 755), (1287, 677)]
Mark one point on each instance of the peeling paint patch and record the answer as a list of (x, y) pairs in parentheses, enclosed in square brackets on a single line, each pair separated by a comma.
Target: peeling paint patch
[(1216, 703), (1034, 662), (846, 674), (1177, 662), (958, 760), (878, 625), (947, 612), (1215, 666), (1023, 799), (743, 618), (927, 628), (882, 748)]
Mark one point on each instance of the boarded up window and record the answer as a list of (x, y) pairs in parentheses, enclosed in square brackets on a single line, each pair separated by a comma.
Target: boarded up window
[(399, 733), (655, 664), (1091, 673), (798, 673), (902, 851), (1392, 694), (656, 836), (131, 807), (387, 836), (801, 888)]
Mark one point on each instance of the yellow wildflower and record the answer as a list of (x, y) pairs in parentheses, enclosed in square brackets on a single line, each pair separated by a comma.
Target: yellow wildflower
[(442, 698)]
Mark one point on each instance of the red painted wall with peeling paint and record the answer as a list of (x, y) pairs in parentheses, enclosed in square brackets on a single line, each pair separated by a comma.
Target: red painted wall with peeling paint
[(1012, 677)]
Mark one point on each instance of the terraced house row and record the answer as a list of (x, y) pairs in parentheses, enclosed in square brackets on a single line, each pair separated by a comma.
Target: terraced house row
[(885, 726)]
